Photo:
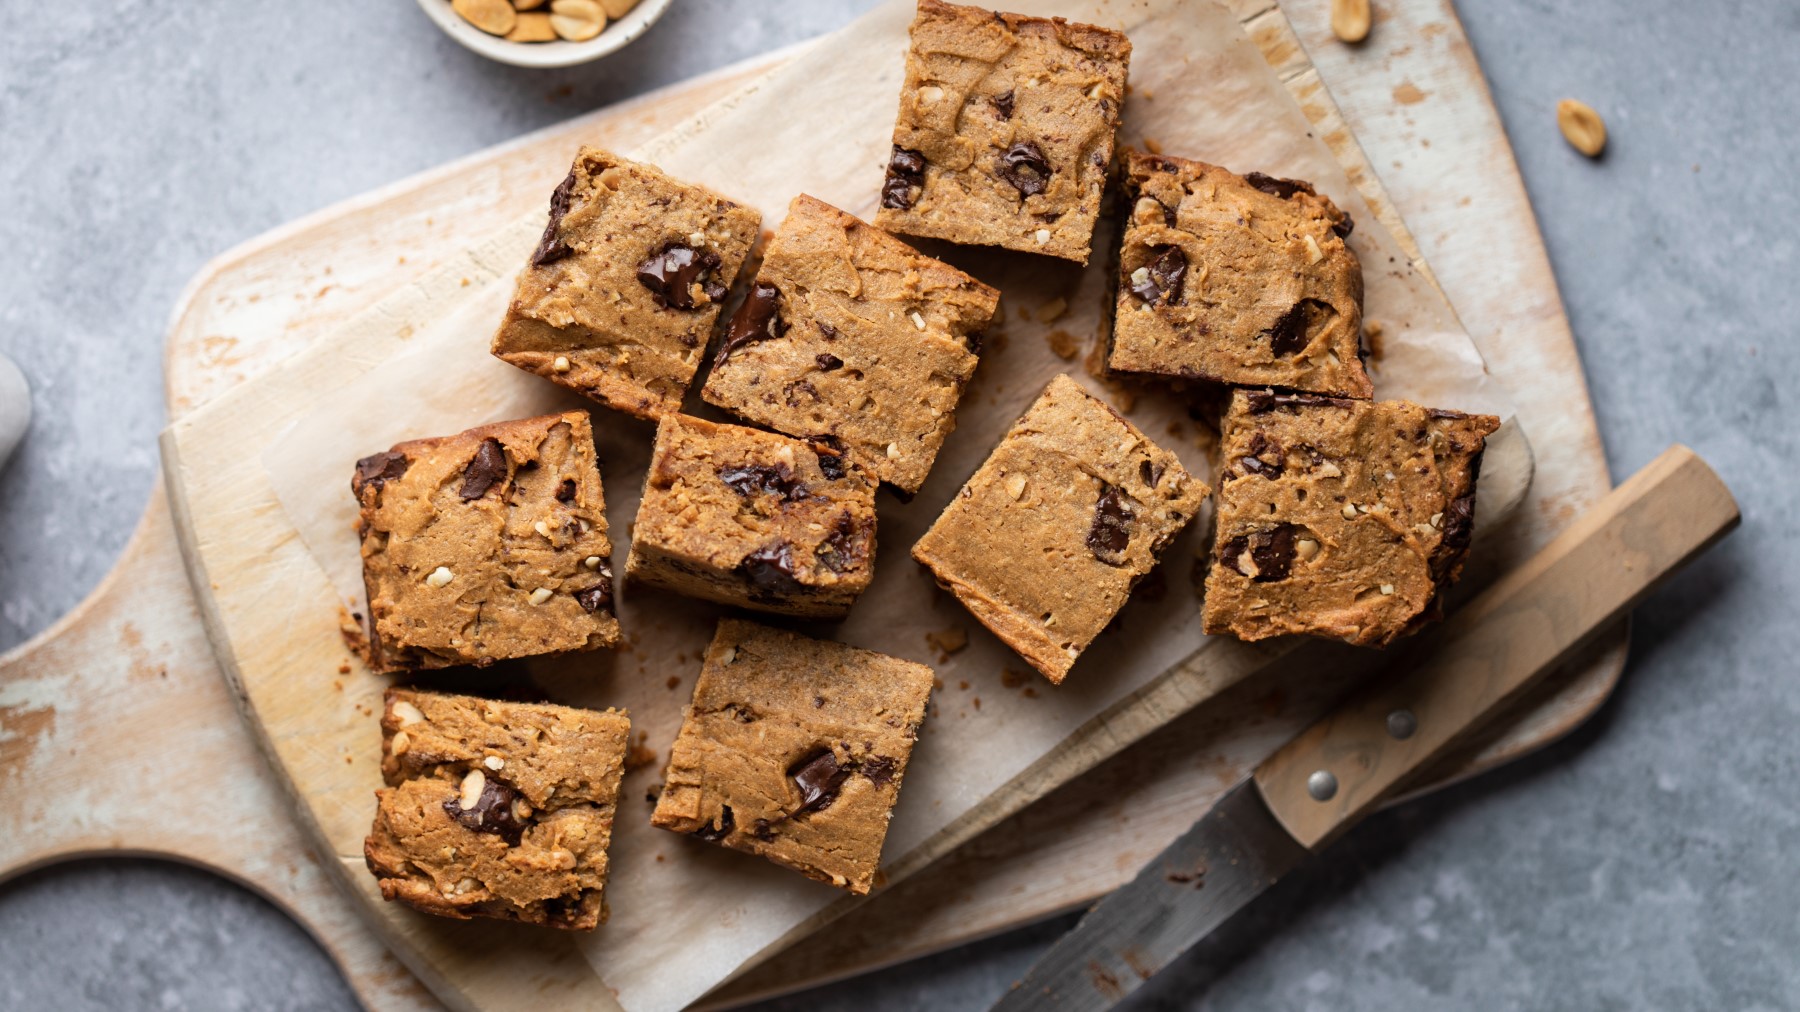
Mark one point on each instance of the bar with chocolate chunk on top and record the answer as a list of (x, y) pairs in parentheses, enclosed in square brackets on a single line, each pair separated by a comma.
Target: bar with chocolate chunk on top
[(486, 545), (493, 809), (851, 333), (1045, 542), (620, 297), (1243, 280), (1339, 518), (795, 748), (754, 519), (1005, 130)]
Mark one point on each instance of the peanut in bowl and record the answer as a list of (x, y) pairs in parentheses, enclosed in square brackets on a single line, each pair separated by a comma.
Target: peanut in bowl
[(543, 33)]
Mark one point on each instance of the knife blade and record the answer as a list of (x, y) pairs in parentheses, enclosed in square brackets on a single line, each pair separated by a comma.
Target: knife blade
[(1318, 785)]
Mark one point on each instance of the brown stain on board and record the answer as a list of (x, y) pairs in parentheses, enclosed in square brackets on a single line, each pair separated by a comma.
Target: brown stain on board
[(1104, 981), (1408, 93), (21, 730)]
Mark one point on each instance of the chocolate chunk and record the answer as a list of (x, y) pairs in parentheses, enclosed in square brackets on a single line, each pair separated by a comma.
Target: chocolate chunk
[(1344, 226), (1110, 534), (1459, 523), (905, 179), (841, 550), (376, 470), (551, 248), (1271, 553), (770, 570), (713, 834), (672, 272), (758, 319), (828, 362), (565, 490), (1261, 444), (880, 769), (764, 830), (1150, 471), (1283, 188), (493, 810), (830, 332), (818, 778), (1264, 401), (750, 479), (1025, 167), (1287, 335), (487, 467), (600, 595), (1163, 277), (1003, 104)]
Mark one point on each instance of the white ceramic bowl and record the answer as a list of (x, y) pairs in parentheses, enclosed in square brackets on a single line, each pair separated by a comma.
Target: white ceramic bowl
[(615, 35)]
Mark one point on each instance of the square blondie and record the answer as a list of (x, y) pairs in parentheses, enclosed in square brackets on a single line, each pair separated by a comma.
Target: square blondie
[(1005, 130), (755, 519), (1244, 280), (851, 333), (1045, 542), (794, 748), (487, 545), (493, 809), (1339, 518), (620, 297)]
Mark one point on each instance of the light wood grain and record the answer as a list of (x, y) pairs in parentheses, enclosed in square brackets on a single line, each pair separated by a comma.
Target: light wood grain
[(1499, 645), (259, 303)]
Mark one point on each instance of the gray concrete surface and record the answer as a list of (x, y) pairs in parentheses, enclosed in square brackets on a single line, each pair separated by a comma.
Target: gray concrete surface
[(1645, 863)]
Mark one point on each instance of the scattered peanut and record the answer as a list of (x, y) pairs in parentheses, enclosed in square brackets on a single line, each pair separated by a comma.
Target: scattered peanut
[(1350, 20), (1581, 126), (495, 17), (534, 28), (577, 20)]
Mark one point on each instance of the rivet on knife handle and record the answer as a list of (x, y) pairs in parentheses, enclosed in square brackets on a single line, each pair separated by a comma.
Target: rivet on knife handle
[(1498, 646)]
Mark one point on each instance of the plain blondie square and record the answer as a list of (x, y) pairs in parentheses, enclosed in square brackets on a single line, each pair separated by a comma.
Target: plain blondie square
[(1243, 280), (1339, 518), (486, 545), (494, 809), (755, 519), (1005, 130), (621, 294), (1045, 542), (794, 748), (851, 333)]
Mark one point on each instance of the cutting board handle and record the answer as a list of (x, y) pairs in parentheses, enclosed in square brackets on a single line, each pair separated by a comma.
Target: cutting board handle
[(1498, 646)]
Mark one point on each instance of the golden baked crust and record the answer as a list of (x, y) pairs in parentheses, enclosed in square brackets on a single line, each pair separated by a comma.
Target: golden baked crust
[(1005, 130), (755, 519), (1245, 280), (851, 333), (795, 748), (486, 545), (1045, 542), (493, 809), (621, 295), (1339, 518)]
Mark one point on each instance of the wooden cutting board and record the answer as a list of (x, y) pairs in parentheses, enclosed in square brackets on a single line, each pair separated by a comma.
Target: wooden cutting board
[(74, 744)]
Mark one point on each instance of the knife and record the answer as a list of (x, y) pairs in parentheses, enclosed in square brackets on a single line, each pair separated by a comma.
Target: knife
[(1314, 788)]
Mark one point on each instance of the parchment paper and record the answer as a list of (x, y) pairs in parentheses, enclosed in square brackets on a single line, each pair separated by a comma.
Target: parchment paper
[(687, 915)]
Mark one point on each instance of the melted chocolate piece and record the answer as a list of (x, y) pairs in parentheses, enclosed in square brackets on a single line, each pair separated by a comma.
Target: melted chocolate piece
[(1110, 534), (376, 470), (713, 834), (1254, 464), (486, 468), (1162, 282), (1283, 188), (818, 778), (830, 450), (565, 490), (830, 332), (600, 595), (1459, 523), (1003, 104), (671, 272), (758, 319), (551, 248), (1287, 335), (1150, 471), (1025, 167), (1271, 552), (841, 550), (905, 179), (828, 362), (493, 811), (750, 479), (1344, 226), (880, 769), (770, 570), (1264, 401)]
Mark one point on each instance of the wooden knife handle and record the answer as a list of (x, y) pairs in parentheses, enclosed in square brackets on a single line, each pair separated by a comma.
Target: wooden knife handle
[(1498, 646)]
